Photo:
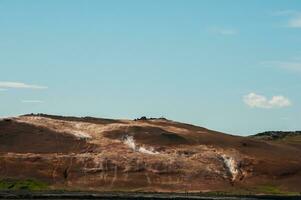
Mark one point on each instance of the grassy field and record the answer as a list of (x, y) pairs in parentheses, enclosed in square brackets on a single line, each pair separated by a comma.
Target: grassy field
[(28, 184), (34, 185)]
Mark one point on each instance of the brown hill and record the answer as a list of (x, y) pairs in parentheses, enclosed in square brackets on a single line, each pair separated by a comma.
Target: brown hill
[(142, 155), (292, 138)]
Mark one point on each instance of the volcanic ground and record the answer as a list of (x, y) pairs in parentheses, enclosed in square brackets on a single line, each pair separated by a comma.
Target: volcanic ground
[(145, 155)]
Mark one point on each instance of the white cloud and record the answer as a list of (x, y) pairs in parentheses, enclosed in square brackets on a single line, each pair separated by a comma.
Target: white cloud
[(224, 31), (284, 12), (18, 85), (290, 65), (294, 17), (32, 101), (295, 22), (254, 100)]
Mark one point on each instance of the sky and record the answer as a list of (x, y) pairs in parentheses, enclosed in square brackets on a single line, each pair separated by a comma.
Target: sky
[(232, 66)]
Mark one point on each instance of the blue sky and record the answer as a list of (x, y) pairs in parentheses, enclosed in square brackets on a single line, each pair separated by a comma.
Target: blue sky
[(231, 66)]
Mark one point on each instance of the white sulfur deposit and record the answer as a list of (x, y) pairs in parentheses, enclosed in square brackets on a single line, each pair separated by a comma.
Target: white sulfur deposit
[(130, 142), (147, 151), (231, 165)]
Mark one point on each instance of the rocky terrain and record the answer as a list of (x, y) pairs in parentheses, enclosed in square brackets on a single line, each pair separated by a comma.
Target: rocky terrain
[(149, 155)]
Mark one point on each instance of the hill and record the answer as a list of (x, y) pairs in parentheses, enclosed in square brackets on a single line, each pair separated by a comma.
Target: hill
[(149, 155), (285, 137)]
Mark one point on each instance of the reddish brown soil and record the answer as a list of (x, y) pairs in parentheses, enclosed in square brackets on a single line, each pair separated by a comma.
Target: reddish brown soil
[(95, 154)]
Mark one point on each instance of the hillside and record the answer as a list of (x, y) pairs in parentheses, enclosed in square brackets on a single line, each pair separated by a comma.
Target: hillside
[(156, 155), (292, 138)]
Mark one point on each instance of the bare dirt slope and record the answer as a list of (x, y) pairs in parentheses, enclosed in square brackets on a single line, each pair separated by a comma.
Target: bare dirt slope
[(141, 155)]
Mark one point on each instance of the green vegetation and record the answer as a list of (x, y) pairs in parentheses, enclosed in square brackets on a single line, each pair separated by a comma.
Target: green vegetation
[(272, 189), (269, 189), (13, 184), (34, 185), (278, 135), (266, 189)]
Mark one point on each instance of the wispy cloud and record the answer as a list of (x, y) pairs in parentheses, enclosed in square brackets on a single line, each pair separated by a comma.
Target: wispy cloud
[(284, 12), (294, 65), (19, 85), (32, 101), (223, 31), (294, 17), (254, 100), (295, 22)]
